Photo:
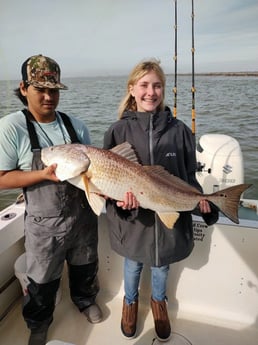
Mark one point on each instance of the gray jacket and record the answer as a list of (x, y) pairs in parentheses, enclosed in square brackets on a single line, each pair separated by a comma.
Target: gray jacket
[(159, 139)]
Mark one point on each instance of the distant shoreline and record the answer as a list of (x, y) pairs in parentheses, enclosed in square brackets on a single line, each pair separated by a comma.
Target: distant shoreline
[(201, 74), (226, 74)]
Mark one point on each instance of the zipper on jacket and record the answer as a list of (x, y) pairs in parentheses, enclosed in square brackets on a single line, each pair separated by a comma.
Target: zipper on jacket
[(151, 140), (152, 163)]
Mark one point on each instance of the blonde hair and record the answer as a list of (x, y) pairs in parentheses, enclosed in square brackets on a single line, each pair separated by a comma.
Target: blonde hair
[(139, 71)]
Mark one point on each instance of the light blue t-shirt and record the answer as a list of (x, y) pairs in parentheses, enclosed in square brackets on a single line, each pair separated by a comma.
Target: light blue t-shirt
[(15, 147)]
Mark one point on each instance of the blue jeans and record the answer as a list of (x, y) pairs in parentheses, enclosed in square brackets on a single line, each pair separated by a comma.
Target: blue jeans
[(132, 274)]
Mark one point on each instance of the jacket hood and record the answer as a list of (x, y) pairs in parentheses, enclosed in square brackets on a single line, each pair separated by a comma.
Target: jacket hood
[(159, 119)]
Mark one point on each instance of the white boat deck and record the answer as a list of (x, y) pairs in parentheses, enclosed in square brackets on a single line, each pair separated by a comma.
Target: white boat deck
[(213, 296), (71, 327)]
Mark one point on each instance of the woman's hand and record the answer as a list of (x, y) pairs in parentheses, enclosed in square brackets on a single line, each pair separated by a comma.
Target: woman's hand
[(129, 202), (204, 206)]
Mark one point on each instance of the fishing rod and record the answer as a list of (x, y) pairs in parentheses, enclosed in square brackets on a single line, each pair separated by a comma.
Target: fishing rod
[(175, 59), (193, 73)]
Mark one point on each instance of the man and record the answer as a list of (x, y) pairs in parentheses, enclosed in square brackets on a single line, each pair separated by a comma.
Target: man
[(59, 223)]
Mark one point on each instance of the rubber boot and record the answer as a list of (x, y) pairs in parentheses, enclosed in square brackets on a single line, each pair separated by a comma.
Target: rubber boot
[(38, 337)]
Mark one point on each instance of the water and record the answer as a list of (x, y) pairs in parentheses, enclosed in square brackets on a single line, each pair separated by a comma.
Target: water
[(224, 104)]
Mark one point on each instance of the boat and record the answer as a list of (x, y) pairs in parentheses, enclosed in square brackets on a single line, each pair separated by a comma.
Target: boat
[(212, 294)]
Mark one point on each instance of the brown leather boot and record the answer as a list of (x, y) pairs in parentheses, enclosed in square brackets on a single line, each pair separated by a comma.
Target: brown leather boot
[(129, 319), (161, 320)]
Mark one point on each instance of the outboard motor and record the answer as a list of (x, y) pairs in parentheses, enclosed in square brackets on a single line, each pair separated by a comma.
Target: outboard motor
[(219, 162)]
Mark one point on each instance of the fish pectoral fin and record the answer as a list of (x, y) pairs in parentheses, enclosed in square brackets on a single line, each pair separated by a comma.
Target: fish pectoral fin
[(96, 201), (168, 219)]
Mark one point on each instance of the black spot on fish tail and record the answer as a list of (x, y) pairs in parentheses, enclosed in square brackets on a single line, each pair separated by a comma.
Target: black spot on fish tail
[(227, 200)]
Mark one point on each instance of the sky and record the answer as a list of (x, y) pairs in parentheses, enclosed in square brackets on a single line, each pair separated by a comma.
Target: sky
[(109, 37)]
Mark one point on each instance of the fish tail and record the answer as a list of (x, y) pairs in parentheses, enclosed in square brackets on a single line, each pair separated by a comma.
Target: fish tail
[(227, 200)]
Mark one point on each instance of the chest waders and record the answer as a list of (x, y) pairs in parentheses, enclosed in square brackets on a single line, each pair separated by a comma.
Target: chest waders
[(59, 226)]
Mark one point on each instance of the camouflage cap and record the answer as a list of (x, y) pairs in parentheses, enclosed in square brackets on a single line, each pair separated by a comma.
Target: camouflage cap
[(43, 72)]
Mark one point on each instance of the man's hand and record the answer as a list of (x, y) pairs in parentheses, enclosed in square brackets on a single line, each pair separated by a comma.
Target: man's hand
[(49, 173)]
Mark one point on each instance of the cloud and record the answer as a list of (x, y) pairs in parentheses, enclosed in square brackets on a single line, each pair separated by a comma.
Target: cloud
[(89, 37)]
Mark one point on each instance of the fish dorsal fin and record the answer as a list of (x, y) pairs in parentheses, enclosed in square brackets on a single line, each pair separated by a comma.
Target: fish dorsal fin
[(126, 150), (168, 219), (161, 173), (157, 170)]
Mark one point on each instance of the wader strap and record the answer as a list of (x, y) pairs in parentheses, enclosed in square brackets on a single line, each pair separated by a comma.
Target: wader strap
[(69, 127), (32, 132), (33, 135)]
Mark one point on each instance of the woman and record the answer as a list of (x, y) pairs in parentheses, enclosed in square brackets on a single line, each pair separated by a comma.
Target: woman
[(137, 233)]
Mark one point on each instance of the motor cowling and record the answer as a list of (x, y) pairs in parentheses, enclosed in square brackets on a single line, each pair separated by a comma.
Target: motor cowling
[(219, 162)]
